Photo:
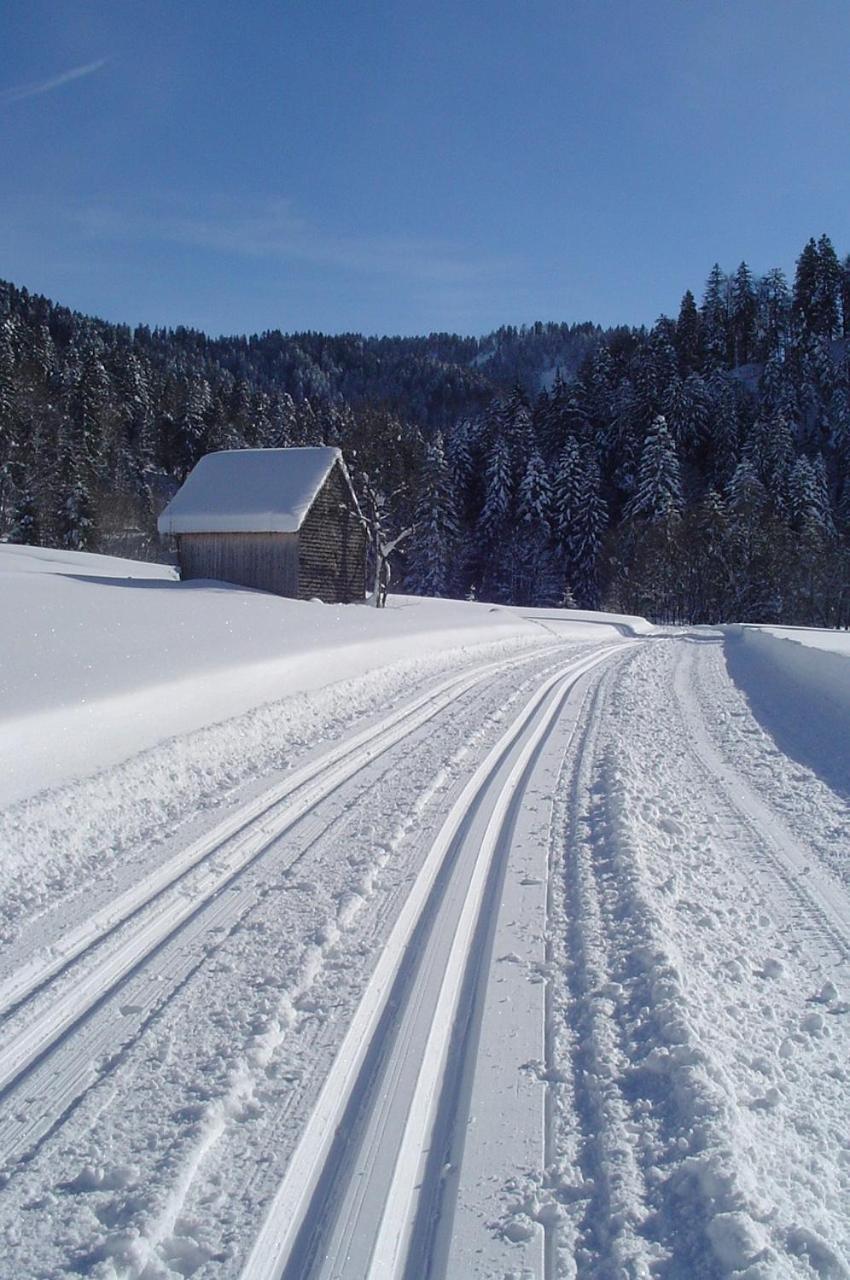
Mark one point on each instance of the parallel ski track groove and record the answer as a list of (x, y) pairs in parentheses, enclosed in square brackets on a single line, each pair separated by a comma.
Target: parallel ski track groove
[(26, 1150), (248, 833), (298, 1219), (426, 1255)]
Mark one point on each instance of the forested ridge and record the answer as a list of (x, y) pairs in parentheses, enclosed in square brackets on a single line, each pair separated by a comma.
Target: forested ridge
[(695, 471)]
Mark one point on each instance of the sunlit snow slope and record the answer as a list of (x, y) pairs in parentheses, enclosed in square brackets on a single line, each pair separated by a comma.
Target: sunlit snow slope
[(439, 941)]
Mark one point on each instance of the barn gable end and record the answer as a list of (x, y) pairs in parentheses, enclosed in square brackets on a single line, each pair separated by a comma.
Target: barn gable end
[(332, 546)]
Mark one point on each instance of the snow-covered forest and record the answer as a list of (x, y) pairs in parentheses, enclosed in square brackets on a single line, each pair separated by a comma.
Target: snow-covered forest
[(693, 472)]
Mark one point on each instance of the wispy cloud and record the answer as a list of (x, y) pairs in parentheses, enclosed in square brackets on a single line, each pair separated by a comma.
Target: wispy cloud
[(274, 231), (19, 92)]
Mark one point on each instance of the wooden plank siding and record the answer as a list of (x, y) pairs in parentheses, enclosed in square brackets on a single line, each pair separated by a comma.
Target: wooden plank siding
[(332, 546), (326, 558), (267, 561)]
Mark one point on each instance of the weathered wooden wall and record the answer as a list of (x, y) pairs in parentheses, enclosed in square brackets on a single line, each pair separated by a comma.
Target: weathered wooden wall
[(332, 548), (267, 561), (327, 558)]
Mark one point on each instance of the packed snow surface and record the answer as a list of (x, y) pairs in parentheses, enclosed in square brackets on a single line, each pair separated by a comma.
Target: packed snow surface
[(249, 491), (446, 940), (101, 658)]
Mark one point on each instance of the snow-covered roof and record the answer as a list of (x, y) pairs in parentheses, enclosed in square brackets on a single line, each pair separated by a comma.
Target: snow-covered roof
[(249, 491)]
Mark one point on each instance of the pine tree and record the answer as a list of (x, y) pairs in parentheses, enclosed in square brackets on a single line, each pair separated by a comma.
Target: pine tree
[(534, 579), (436, 536), (586, 534), (498, 493), (74, 513), (535, 498), (26, 526), (769, 448), (806, 286), (743, 317), (494, 522), (817, 289), (746, 492), (822, 504), (9, 425), (689, 336), (830, 282), (90, 415), (715, 320), (802, 500), (773, 308), (658, 496), (845, 297), (566, 491), (686, 411), (192, 426)]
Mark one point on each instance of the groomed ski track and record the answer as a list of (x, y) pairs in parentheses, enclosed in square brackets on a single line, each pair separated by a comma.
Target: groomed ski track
[(362, 1196), (79, 1013), (542, 974)]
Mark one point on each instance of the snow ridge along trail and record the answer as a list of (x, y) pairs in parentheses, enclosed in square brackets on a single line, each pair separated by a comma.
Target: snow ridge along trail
[(347, 1205), (122, 935)]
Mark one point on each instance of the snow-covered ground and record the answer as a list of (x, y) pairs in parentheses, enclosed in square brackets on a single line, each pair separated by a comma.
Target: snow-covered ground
[(101, 658), (811, 637), (439, 941)]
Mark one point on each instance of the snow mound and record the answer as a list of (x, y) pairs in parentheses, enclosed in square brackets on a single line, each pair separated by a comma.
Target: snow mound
[(798, 684)]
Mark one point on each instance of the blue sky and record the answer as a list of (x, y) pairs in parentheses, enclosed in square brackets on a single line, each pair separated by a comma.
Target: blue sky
[(398, 167)]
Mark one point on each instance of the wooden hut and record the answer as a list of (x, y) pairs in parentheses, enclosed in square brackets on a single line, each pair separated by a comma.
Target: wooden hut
[(280, 520)]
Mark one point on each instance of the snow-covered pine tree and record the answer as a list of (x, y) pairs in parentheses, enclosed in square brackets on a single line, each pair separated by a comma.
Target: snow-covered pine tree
[(658, 495), (534, 579), (26, 525), (823, 505), (769, 448), (686, 412), (9, 428), (745, 493), (90, 414), (74, 513), (773, 302), (191, 427), (715, 320), (586, 534), (498, 493), (494, 522), (434, 546), (802, 501)]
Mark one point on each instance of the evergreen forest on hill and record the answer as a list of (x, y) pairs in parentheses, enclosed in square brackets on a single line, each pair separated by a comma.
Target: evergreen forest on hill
[(697, 471)]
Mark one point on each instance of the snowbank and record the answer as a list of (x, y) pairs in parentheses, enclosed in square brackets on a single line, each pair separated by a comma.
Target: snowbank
[(798, 683), (102, 658), (811, 637), (577, 622)]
